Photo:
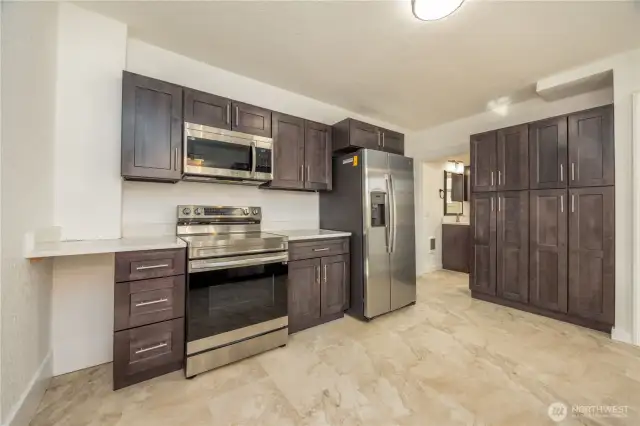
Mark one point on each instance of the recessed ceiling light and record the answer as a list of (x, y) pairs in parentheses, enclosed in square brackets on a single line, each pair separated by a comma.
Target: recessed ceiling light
[(432, 10)]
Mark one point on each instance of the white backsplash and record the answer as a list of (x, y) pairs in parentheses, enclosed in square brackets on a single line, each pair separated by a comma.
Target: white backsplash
[(150, 208)]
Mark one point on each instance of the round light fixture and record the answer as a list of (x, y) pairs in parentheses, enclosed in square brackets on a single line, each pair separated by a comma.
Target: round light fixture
[(432, 10)]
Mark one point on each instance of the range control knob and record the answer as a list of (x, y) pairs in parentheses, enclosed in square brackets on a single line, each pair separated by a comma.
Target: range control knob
[(256, 211), (198, 210), (245, 212), (186, 210)]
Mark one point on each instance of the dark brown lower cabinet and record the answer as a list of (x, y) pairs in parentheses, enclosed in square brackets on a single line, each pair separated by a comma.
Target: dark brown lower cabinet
[(513, 246), (591, 253), (548, 261), (482, 277), (318, 288), (455, 247)]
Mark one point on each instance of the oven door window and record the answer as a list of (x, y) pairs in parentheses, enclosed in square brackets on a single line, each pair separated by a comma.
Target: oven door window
[(218, 154), (230, 299)]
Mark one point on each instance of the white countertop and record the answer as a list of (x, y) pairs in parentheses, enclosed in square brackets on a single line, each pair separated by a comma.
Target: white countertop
[(74, 248), (456, 223), (310, 234)]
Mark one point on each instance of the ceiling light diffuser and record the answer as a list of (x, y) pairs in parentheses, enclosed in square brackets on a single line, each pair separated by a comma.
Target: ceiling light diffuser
[(432, 10)]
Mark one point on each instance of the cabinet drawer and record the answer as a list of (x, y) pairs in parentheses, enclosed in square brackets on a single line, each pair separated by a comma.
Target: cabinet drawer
[(321, 248), (140, 265), (148, 301), (145, 352)]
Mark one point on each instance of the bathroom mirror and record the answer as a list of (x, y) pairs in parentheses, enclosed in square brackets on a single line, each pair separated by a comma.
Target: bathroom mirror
[(453, 193)]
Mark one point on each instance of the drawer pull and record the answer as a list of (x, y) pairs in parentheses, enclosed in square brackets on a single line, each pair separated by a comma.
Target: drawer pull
[(151, 302), (161, 345), (142, 268), (322, 249)]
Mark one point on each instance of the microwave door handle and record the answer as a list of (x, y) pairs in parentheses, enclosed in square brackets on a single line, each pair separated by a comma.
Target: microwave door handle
[(254, 158)]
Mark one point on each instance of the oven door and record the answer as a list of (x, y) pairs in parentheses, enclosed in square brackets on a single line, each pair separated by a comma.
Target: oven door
[(235, 300)]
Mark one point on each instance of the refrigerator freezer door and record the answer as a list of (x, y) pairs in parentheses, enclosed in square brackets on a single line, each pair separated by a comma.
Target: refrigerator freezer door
[(377, 273), (403, 244)]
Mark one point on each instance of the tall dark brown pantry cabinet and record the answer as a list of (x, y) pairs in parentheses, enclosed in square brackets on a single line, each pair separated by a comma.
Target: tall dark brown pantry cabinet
[(542, 217)]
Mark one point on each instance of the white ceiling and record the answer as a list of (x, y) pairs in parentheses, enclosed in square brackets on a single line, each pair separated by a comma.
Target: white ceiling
[(374, 58)]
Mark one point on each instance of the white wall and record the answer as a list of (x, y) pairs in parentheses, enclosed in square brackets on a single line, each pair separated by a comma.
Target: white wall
[(91, 57), (28, 125), (452, 139)]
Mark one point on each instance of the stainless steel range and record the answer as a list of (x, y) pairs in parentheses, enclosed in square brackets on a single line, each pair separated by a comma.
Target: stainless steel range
[(237, 292)]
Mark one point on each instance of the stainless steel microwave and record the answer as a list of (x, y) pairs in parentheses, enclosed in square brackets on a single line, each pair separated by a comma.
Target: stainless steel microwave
[(224, 155)]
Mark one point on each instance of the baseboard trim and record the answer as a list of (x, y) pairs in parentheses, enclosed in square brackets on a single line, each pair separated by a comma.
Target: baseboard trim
[(621, 335), (26, 407), (430, 269)]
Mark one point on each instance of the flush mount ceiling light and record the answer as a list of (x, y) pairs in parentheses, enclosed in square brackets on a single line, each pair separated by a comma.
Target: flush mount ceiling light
[(432, 10)]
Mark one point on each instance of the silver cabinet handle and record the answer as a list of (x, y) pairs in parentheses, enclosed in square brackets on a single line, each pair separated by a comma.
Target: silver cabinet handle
[(308, 173), (325, 273), (573, 203), (302, 173), (573, 171), (499, 203), (499, 177), (322, 249), (491, 203), (141, 351), (317, 275), (383, 140), (562, 204), (151, 302), (561, 172), (175, 159), (491, 178), (228, 112), (237, 113), (142, 268), (379, 134)]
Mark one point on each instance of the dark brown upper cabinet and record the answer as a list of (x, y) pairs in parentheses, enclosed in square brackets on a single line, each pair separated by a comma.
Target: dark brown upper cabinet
[(591, 253), (250, 119), (591, 156), (392, 142), (548, 153), (151, 129), (513, 246), (350, 135), (548, 249), (317, 156), (513, 158), (206, 109), (482, 277), (288, 147), (484, 162)]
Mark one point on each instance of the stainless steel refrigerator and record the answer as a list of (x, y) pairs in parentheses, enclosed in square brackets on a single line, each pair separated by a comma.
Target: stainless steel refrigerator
[(372, 197)]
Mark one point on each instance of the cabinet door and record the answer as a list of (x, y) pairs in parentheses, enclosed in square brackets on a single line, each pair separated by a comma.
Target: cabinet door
[(317, 156), (548, 249), (206, 109), (303, 293), (250, 119), (288, 141), (363, 135), (455, 247), (591, 253), (393, 142), (591, 153), (483, 240), (335, 284), (513, 246), (513, 158), (483, 162), (151, 129), (548, 153)]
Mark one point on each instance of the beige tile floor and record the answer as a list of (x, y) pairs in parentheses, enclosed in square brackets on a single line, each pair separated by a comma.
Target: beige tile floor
[(449, 360)]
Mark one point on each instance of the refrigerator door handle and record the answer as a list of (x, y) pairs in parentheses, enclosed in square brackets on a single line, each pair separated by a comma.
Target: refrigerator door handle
[(393, 214), (387, 213)]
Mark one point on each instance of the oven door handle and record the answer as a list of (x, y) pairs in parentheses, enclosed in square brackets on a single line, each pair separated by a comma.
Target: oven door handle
[(226, 263)]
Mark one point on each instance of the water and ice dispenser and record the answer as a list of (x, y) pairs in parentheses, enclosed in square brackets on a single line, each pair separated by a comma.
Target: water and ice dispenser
[(378, 214)]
